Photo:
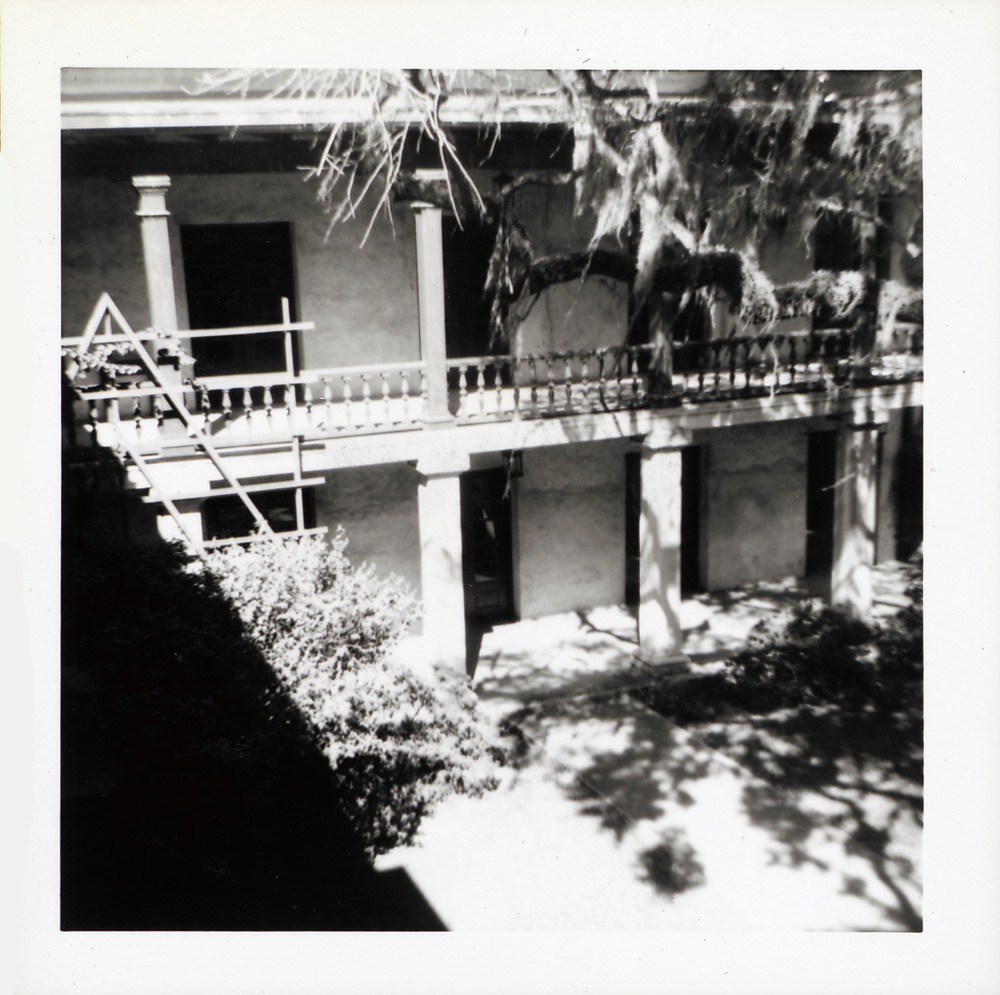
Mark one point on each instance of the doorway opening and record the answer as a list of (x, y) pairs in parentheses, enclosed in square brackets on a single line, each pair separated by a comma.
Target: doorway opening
[(487, 548), (821, 477)]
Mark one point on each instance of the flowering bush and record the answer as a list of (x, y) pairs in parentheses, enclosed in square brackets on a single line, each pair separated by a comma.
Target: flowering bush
[(397, 741)]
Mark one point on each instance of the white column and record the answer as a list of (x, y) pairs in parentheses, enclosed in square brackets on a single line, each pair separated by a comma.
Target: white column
[(171, 531), (854, 507), (152, 213), (660, 638), (430, 303), (440, 517)]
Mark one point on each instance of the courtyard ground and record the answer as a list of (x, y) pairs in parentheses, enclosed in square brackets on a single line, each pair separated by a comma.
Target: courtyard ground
[(613, 816)]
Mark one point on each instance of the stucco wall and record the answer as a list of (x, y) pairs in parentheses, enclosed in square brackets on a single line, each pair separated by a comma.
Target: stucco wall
[(363, 300), (571, 528), (756, 504), (578, 315), (101, 251), (377, 506)]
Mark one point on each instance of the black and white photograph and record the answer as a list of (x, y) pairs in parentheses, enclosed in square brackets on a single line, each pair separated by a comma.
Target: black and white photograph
[(492, 503)]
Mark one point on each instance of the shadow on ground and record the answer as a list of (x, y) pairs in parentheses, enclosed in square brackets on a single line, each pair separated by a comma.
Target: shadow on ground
[(192, 796), (628, 769), (825, 775)]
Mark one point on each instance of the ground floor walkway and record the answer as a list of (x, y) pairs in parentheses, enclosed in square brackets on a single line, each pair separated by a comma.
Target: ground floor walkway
[(615, 817)]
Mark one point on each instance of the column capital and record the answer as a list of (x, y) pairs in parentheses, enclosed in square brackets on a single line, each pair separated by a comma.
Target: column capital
[(152, 192), (861, 419), (664, 437), (443, 462), (428, 176)]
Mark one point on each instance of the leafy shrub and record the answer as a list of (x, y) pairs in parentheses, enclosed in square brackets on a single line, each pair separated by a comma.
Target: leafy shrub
[(819, 655), (397, 741), (816, 656)]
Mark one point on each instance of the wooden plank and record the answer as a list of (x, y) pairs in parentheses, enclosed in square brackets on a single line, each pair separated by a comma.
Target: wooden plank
[(271, 485)]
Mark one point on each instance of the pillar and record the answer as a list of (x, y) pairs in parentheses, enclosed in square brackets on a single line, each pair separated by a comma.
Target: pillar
[(854, 508), (661, 640), (152, 213), (440, 518), (430, 303), (171, 531)]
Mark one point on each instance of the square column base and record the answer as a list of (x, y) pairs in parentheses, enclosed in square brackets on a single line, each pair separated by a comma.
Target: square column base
[(675, 663)]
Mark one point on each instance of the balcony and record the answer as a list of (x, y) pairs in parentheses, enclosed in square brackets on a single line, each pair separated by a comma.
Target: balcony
[(148, 411)]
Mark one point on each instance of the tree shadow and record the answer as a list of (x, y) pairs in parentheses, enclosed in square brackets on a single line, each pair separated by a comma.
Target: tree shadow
[(833, 780), (627, 768), (826, 715), (193, 797), (850, 780)]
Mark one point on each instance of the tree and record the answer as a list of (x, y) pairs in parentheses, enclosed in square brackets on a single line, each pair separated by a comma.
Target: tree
[(678, 188)]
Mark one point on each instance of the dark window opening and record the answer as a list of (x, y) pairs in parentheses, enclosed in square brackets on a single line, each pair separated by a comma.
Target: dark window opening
[(236, 275), (227, 517), (466, 254)]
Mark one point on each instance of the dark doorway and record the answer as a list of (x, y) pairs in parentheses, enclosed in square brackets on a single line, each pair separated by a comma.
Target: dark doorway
[(821, 476), (466, 257), (487, 548), (236, 275), (691, 520), (909, 486), (691, 460)]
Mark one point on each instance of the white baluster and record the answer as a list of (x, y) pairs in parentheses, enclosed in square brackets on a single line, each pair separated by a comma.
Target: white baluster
[(307, 397), (348, 420), (247, 410), (291, 403), (498, 387), (386, 406), (404, 395), (158, 412), (568, 382), (328, 404), (481, 388), (463, 393), (227, 405), (366, 398), (268, 407)]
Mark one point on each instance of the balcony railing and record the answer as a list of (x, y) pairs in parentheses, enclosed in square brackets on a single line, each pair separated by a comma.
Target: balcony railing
[(262, 407), (392, 397)]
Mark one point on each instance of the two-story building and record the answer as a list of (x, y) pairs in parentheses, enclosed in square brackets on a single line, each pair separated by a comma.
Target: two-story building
[(337, 383)]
